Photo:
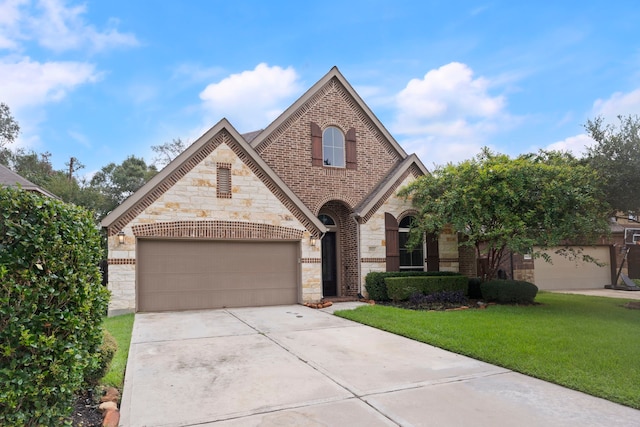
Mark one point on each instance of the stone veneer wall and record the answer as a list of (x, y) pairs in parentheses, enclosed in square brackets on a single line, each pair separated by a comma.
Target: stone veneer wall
[(193, 199), (373, 244)]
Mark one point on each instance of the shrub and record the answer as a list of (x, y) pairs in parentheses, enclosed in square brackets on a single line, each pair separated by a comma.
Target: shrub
[(106, 352), (509, 291), (401, 288), (51, 306), (377, 289), (473, 288)]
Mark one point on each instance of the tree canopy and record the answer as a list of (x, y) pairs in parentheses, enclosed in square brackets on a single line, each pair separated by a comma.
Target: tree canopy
[(502, 204), (168, 151), (9, 128), (117, 182), (616, 158)]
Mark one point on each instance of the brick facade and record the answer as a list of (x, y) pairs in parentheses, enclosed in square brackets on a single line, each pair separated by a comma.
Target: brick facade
[(271, 189)]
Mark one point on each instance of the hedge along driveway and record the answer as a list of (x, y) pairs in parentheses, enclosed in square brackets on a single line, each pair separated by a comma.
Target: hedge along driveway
[(51, 306), (584, 343)]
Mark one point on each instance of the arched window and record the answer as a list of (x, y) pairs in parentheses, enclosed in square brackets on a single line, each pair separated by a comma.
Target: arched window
[(326, 219), (414, 259), (333, 147)]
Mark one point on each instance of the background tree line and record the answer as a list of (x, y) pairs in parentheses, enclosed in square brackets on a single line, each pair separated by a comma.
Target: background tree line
[(614, 159), (100, 193)]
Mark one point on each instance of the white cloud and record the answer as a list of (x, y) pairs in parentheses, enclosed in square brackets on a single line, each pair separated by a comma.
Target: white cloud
[(56, 26), (449, 114), (575, 144), (251, 99), (618, 104), (27, 83)]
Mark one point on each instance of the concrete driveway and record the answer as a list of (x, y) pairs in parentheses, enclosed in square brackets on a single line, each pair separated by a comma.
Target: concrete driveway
[(295, 366)]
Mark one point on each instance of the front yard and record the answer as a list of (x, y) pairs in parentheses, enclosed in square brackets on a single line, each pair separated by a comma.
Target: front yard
[(585, 343)]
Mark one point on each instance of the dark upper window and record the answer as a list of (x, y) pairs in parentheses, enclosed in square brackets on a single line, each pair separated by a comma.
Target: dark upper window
[(409, 260), (326, 219), (333, 147)]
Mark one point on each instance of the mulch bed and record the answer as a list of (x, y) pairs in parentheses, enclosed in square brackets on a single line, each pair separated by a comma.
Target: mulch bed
[(85, 411)]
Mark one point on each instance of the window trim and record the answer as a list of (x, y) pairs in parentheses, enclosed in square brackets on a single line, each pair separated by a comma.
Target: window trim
[(402, 250), (224, 188), (334, 148)]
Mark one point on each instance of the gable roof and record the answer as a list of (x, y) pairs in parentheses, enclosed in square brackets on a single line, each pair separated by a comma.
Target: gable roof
[(389, 185), (334, 73), (186, 161), (9, 178)]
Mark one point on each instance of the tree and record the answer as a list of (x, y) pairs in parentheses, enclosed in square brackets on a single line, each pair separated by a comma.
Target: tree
[(117, 182), (616, 158), (501, 204), (9, 128), (166, 152)]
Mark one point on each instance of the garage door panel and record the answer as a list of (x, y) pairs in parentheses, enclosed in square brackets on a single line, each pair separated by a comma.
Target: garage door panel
[(565, 273), (182, 275)]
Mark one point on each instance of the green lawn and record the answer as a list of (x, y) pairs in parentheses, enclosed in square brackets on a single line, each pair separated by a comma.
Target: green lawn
[(120, 327), (590, 344)]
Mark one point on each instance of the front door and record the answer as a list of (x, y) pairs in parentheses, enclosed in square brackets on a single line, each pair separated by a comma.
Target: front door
[(329, 265)]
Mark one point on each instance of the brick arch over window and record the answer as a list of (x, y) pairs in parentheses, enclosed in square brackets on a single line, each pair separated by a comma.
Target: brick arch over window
[(408, 212), (217, 230), (340, 198)]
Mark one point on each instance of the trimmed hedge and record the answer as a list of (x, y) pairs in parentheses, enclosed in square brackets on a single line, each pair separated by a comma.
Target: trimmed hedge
[(377, 289), (51, 306), (509, 291), (401, 288)]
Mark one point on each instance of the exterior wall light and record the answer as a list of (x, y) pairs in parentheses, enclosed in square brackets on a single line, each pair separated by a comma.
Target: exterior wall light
[(312, 240), (121, 237)]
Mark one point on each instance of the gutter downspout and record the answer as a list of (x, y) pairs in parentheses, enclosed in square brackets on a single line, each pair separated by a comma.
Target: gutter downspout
[(356, 217)]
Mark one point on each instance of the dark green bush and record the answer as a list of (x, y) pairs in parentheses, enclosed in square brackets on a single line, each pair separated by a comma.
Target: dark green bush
[(377, 289), (509, 291), (401, 288), (105, 355), (51, 306), (473, 289)]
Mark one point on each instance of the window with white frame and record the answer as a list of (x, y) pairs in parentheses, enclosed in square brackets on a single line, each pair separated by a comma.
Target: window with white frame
[(333, 147)]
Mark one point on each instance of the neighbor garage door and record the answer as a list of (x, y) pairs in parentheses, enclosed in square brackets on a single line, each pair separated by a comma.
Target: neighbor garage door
[(189, 275), (573, 274)]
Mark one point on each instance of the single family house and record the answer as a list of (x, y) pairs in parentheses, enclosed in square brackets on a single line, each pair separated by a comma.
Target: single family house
[(294, 213)]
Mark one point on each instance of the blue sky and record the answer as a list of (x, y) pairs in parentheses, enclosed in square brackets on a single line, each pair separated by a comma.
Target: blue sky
[(100, 80)]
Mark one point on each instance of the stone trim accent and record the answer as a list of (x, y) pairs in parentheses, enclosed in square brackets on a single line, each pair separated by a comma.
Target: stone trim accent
[(363, 260), (121, 261), (217, 230), (411, 170), (449, 259), (311, 260)]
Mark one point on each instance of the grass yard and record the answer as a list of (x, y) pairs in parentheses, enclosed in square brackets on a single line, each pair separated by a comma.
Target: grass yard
[(120, 327), (591, 344)]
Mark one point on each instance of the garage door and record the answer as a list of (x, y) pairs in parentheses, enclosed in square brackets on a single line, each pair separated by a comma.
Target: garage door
[(190, 275), (573, 274)]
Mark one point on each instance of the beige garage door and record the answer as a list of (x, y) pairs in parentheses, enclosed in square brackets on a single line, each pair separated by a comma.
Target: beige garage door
[(573, 274), (191, 275)]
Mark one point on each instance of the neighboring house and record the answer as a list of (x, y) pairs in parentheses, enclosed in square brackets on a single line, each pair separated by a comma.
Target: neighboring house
[(9, 178), (297, 212), (617, 253)]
